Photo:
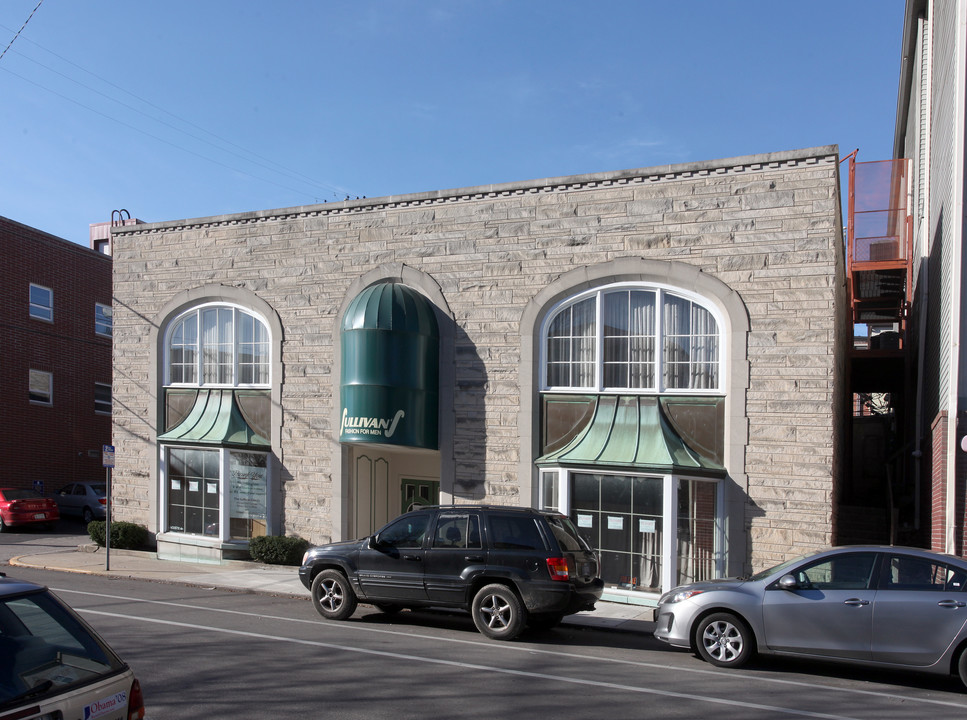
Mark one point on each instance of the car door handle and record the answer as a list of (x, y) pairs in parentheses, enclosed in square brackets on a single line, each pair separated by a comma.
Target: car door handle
[(474, 558), (856, 602), (414, 558), (952, 604)]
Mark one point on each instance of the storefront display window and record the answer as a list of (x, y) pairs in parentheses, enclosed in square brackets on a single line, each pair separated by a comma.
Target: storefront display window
[(247, 473), (621, 517), (197, 494), (697, 513), (193, 491), (624, 518)]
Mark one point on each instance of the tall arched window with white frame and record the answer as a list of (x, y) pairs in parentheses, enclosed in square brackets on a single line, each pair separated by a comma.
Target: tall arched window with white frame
[(215, 441), (632, 430)]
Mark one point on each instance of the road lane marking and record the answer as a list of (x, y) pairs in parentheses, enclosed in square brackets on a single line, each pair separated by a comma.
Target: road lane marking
[(474, 666), (529, 650)]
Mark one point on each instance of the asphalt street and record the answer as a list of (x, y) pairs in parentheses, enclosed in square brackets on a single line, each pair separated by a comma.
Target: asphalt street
[(214, 652)]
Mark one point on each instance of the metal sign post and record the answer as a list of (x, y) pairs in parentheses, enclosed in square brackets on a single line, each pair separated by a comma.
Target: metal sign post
[(107, 454)]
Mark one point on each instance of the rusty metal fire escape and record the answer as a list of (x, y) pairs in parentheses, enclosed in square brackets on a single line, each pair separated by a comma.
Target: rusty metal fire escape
[(878, 285), (879, 250)]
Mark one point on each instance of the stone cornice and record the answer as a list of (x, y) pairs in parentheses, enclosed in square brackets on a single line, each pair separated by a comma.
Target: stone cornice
[(826, 155)]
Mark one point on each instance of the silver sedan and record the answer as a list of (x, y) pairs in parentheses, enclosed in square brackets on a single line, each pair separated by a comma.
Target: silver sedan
[(886, 606)]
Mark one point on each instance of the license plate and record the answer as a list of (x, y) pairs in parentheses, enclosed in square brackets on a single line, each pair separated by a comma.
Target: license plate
[(40, 516)]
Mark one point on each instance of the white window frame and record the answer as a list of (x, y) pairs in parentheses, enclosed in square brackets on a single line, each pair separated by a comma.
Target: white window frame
[(103, 318), (669, 550), (110, 401), (40, 311), (50, 387), (659, 388), (197, 311), (224, 494)]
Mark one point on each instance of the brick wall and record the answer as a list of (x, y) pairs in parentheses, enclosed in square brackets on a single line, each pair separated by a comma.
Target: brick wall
[(767, 226), (62, 442)]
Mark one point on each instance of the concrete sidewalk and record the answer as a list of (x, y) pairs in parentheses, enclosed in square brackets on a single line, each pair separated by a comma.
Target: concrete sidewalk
[(267, 579)]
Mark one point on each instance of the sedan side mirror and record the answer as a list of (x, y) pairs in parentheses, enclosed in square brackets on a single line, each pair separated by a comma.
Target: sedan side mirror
[(788, 582)]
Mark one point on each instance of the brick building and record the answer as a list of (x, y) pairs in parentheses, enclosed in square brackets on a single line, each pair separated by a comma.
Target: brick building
[(655, 352), (55, 364)]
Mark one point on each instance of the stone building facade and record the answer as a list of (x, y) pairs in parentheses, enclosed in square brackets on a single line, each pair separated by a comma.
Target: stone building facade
[(728, 432)]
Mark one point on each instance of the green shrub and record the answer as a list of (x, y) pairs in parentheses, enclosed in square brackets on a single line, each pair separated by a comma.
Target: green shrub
[(274, 550), (124, 535)]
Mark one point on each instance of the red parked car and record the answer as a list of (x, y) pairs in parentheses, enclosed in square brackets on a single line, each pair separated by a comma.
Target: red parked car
[(19, 506)]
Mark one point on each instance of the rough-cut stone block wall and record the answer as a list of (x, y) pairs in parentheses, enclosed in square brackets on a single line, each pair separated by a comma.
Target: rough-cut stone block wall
[(768, 226)]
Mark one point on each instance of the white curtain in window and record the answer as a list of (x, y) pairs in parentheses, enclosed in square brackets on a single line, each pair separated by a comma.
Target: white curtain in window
[(641, 340), (584, 331), (253, 351), (183, 351), (218, 345), (629, 337), (705, 349), (675, 327)]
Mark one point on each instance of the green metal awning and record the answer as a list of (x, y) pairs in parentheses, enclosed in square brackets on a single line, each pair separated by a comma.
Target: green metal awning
[(632, 432), (215, 419), (390, 370)]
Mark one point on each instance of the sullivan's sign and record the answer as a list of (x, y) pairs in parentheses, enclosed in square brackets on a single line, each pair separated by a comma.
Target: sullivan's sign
[(381, 427)]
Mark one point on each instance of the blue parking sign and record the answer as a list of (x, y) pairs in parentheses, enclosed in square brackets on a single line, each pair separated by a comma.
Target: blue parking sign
[(107, 456)]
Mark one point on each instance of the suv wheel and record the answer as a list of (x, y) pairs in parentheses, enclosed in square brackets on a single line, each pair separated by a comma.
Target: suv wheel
[(332, 595), (497, 612)]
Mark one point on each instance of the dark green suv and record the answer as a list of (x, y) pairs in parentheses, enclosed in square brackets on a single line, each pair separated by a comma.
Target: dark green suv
[(509, 567)]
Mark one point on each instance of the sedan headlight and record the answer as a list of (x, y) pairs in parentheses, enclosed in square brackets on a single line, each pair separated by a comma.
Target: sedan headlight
[(681, 595)]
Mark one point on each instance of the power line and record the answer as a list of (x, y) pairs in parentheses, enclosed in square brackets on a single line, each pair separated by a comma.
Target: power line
[(248, 156), (21, 29), (152, 136), (282, 170), (271, 165)]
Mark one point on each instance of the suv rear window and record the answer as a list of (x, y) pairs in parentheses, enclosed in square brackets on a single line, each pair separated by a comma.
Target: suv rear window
[(515, 532), (567, 535)]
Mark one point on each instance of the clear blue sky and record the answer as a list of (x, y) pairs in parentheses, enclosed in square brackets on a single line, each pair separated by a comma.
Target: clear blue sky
[(189, 108)]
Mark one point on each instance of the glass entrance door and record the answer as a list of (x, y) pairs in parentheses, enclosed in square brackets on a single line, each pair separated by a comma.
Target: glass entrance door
[(417, 493)]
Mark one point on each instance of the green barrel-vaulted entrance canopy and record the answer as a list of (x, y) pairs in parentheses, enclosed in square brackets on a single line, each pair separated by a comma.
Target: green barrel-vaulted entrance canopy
[(390, 368)]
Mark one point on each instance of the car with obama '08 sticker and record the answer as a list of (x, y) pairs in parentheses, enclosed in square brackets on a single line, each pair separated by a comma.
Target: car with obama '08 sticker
[(511, 568), (53, 666)]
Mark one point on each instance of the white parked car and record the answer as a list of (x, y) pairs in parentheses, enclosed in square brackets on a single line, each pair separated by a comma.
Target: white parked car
[(53, 665)]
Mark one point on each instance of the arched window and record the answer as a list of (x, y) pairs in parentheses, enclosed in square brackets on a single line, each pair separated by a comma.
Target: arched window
[(632, 338), (218, 345)]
